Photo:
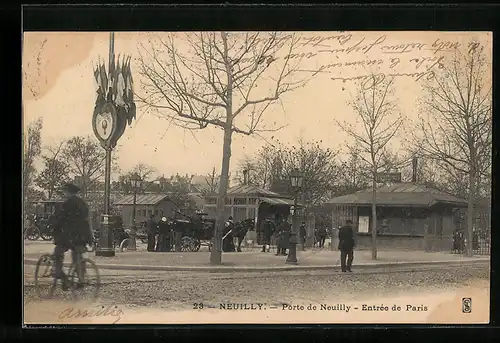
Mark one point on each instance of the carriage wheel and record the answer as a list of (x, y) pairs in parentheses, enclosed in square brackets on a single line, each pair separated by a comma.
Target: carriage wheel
[(186, 243), (46, 236), (196, 245), (33, 233)]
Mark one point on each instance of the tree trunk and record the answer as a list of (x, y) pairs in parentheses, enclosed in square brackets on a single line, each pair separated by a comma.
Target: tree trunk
[(216, 253), (374, 217), (470, 213)]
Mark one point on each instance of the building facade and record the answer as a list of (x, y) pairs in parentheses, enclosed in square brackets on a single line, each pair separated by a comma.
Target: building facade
[(249, 201), (146, 204), (409, 216)]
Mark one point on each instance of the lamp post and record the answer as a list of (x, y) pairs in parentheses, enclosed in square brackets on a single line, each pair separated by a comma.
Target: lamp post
[(296, 178), (114, 108), (136, 181)]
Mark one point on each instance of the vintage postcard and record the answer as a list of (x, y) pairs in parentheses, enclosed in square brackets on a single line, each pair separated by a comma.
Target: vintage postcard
[(257, 177)]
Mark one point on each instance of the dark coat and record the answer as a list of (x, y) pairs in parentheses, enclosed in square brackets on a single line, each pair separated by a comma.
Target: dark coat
[(346, 238), (322, 231), (151, 226), (228, 244), (302, 231), (72, 222), (265, 232), (268, 229), (284, 230), (163, 228)]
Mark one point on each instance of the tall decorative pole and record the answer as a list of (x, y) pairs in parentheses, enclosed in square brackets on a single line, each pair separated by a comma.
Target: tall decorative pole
[(136, 184), (114, 108), (296, 178)]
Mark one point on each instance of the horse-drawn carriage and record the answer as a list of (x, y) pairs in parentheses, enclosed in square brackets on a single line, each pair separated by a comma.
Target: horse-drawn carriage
[(120, 235), (196, 232), (199, 232), (40, 223)]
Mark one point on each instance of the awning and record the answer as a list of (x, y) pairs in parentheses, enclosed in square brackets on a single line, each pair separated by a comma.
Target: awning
[(277, 201)]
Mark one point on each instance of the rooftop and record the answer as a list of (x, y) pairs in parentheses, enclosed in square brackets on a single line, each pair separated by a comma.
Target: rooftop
[(141, 199), (252, 190), (401, 194)]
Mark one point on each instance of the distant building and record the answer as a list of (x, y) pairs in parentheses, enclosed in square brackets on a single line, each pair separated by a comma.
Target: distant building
[(146, 204), (409, 216), (249, 201)]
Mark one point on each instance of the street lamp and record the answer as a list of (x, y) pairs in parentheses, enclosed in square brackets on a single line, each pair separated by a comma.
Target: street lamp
[(296, 178), (136, 182)]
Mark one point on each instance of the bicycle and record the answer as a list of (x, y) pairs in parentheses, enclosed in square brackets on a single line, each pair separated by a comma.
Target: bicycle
[(45, 269)]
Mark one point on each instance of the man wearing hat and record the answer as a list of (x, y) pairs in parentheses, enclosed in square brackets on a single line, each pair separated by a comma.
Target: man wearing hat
[(346, 246), (71, 230)]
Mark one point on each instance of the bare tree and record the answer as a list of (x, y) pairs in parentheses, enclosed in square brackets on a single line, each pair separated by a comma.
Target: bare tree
[(222, 79), (212, 183), (318, 165), (32, 143), (262, 167), (380, 121), (142, 171), (85, 159), (354, 173), (54, 172), (456, 121), (247, 165)]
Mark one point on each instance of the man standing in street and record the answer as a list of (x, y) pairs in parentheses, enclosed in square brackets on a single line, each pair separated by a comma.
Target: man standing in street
[(151, 226), (267, 232), (321, 236), (346, 246), (284, 237)]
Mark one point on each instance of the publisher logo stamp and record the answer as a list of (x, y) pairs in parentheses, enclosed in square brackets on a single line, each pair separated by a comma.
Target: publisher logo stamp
[(466, 305)]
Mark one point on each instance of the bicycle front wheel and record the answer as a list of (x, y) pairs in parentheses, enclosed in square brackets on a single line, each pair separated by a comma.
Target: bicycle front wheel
[(85, 287), (45, 283)]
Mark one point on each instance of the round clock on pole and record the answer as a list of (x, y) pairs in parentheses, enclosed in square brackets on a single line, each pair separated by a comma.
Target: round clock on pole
[(104, 123)]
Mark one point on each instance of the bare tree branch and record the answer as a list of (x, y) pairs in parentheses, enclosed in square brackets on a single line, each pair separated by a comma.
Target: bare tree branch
[(208, 78), (456, 130)]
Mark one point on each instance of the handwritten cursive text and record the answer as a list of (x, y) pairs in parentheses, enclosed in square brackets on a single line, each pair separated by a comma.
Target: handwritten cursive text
[(109, 311)]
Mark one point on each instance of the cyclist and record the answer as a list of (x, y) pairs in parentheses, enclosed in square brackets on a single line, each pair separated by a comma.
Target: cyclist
[(71, 231)]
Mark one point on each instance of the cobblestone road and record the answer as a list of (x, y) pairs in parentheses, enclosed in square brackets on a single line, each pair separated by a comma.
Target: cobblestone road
[(176, 291)]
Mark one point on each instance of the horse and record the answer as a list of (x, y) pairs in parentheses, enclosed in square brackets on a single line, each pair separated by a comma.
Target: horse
[(241, 229)]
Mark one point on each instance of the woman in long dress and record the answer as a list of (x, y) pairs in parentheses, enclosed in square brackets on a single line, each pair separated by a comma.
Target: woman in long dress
[(228, 241)]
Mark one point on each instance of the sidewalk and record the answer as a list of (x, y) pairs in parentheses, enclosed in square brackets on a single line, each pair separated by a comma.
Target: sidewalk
[(255, 260)]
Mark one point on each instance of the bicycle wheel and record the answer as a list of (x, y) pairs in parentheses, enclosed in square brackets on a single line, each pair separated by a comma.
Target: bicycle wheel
[(88, 288), (45, 283)]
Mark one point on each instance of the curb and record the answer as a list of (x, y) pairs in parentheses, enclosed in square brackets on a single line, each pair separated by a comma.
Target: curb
[(230, 269)]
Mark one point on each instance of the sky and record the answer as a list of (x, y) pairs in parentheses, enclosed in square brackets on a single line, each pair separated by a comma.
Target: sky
[(58, 86)]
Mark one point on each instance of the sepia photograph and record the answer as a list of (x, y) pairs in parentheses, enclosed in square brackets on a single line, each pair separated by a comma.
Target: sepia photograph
[(255, 177)]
